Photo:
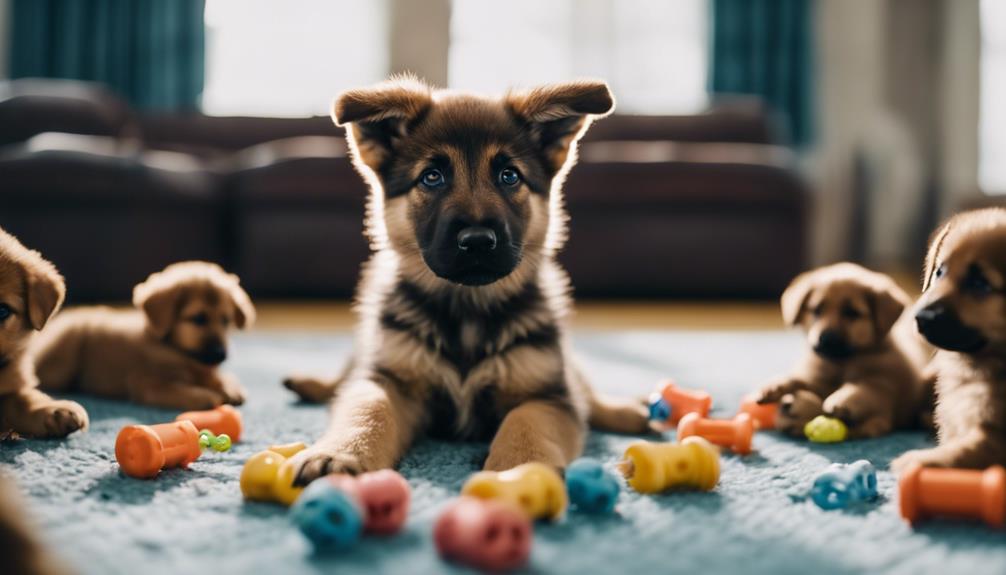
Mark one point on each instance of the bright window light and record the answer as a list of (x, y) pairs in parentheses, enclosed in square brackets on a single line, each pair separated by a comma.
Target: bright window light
[(290, 58), (652, 52), (992, 159)]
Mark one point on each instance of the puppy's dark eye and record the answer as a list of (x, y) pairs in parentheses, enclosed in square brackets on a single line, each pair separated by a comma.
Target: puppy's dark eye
[(432, 178), (200, 319), (509, 176), (976, 282), (226, 321), (941, 270), (5, 312), (851, 313), (817, 311)]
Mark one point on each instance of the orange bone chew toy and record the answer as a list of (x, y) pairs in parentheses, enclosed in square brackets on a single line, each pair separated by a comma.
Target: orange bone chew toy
[(144, 450), (732, 433), (682, 401), (927, 491), (221, 420), (763, 414)]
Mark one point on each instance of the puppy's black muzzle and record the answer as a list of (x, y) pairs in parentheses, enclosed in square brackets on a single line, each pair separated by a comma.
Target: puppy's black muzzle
[(472, 254), (831, 345), (214, 354), (941, 326)]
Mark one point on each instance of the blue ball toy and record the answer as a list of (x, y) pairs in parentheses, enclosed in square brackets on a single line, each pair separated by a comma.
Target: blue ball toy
[(592, 489), (842, 485), (329, 517)]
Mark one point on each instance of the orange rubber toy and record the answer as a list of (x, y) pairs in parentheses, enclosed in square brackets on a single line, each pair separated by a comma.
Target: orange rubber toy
[(222, 420), (964, 493), (683, 401), (763, 414), (144, 450), (733, 433)]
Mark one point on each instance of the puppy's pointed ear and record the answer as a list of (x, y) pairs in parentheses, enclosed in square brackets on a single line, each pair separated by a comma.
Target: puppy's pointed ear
[(933, 255), (887, 301), (557, 115), (381, 116), (159, 301), (44, 293), (244, 311), (795, 298)]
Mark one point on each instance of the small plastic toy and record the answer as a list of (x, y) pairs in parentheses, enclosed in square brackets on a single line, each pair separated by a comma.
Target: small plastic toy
[(762, 414), (657, 467), (223, 420), (486, 534), (842, 485), (144, 450), (533, 487), (824, 429), (592, 489), (733, 433), (267, 477), (671, 403), (963, 493)]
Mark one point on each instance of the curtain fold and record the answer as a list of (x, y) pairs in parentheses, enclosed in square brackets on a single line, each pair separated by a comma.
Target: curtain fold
[(149, 51), (766, 48)]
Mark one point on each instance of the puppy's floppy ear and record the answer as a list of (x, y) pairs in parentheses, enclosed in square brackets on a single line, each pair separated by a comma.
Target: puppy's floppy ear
[(381, 116), (795, 297), (159, 299), (887, 302), (933, 255), (44, 292), (557, 115), (243, 308)]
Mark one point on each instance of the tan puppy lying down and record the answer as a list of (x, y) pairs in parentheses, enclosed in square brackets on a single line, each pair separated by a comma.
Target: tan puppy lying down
[(165, 353), (864, 360)]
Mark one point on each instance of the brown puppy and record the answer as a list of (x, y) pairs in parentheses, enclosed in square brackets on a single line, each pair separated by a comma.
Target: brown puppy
[(20, 549), (164, 353), (462, 307), (962, 312), (865, 362), (31, 290)]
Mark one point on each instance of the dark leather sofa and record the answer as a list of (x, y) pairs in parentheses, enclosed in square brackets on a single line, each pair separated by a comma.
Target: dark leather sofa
[(698, 206)]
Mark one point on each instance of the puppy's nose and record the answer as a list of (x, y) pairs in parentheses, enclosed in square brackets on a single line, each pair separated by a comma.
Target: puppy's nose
[(830, 340), (215, 354), (477, 239), (930, 315)]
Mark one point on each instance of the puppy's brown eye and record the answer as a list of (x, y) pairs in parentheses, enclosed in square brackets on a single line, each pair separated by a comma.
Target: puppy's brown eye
[(509, 176), (200, 319), (5, 312), (226, 321), (941, 270), (976, 282), (432, 178), (850, 313), (817, 311)]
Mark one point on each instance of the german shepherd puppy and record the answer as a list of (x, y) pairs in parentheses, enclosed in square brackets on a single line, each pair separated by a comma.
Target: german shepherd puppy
[(463, 308), (962, 311)]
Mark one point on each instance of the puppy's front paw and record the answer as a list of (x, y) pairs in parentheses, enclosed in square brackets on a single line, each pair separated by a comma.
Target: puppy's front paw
[(795, 410), (234, 393), (58, 419), (774, 392), (311, 389), (317, 461), (923, 457)]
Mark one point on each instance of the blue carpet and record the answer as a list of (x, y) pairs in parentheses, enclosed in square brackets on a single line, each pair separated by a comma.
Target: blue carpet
[(757, 521)]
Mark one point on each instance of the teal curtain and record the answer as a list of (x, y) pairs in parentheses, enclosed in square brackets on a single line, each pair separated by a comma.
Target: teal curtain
[(149, 51), (766, 48)]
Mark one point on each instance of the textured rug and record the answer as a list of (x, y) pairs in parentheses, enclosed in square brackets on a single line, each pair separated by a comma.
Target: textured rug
[(757, 521)]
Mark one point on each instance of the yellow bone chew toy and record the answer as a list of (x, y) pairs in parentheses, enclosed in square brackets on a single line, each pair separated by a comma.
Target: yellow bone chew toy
[(655, 467), (267, 476), (535, 488)]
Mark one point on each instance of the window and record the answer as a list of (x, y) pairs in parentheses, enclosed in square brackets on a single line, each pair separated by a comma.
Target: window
[(992, 158), (268, 58), (653, 52)]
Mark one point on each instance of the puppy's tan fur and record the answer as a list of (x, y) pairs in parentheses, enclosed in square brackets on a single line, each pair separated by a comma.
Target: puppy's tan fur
[(436, 356), (971, 386), (20, 549), (31, 290), (876, 384), (151, 355)]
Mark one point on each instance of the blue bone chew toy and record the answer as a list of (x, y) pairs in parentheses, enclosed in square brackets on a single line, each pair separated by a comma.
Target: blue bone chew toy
[(844, 484), (660, 410), (592, 489)]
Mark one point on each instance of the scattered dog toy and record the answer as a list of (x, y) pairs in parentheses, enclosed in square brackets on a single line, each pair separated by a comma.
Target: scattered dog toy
[(824, 429), (223, 420), (485, 534), (533, 487), (732, 433), (762, 414), (671, 403), (963, 493), (592, 489), (842, 485), (657, 467), (217, 443), (267, 477), (144, 450)]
